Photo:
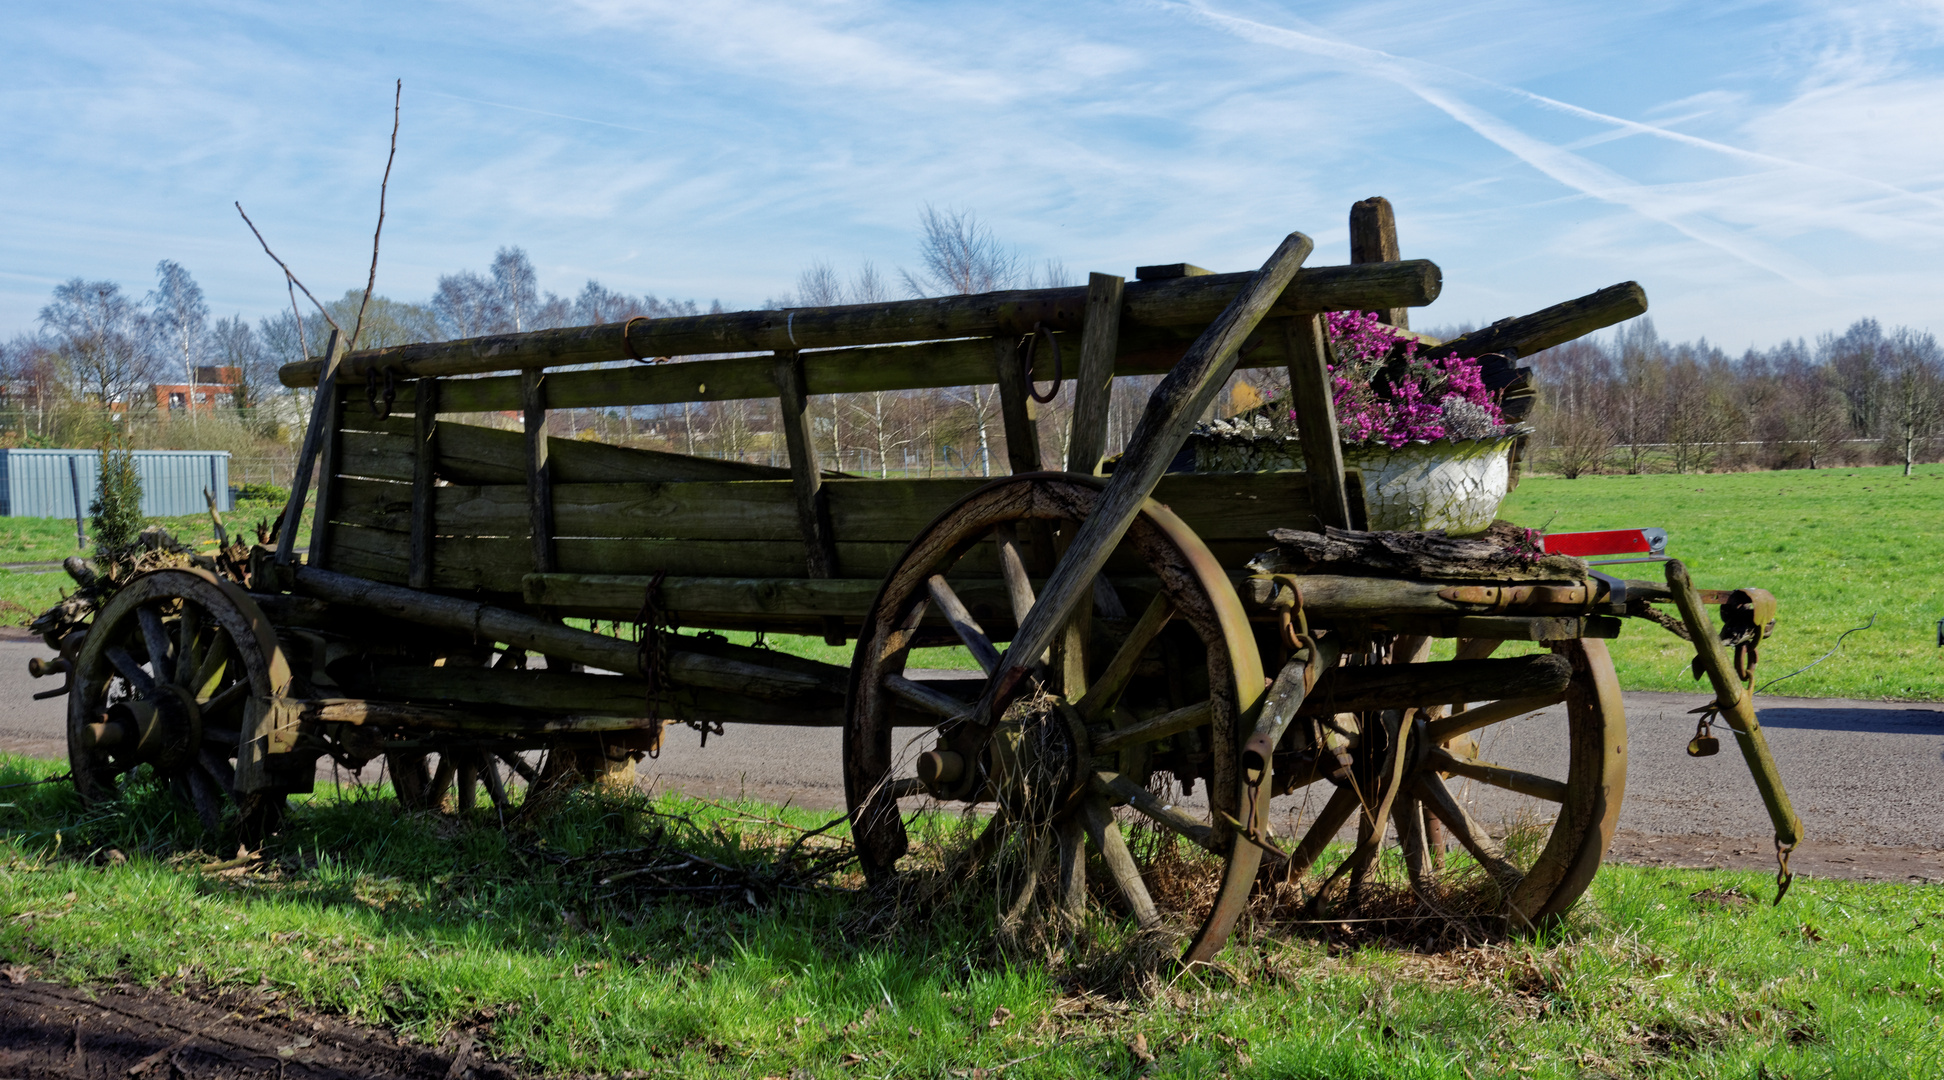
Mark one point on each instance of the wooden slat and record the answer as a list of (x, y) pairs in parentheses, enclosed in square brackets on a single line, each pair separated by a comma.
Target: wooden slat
[(1219, 507), (381, 457), (327, 372), (1180, 301), (1093, 385), (539, 478), (1018, 412), (470, 454), (1316, 419), (329, 462), (424, 483), (806, 479)]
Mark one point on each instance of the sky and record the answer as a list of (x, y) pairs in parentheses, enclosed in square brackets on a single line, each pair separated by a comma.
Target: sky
[(1764, 170)]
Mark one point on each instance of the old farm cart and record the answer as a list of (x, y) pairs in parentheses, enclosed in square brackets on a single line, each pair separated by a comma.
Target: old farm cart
[(1146, 651)]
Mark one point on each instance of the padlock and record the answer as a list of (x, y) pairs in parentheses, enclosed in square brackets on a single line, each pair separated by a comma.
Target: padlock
[(1704, 746)]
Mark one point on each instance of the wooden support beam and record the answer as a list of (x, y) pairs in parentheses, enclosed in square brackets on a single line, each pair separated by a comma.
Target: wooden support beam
[(1310, 390), (326, 379), (1017, 410), (1373, 239), (1094, 385), (425, 457), (1441, 682), (1551, 326), (1181, 301), (330, 461), (539, 476), (806, 480)]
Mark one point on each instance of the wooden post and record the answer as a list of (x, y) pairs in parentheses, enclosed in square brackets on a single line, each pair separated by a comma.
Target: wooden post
[(813, 504), (1373, 239), (1016, 407), (293, 513), (424, 487), (533, 394), (1316, 422), (329, 464), (1093, 388), (74, 481)]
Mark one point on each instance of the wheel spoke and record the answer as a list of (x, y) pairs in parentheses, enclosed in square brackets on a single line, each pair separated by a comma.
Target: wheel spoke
[(906, 787), (1437, 732), (1525, 783), (918, 695), (156, 637), (1186, 718), (441, 782), (1115, 786), (1070, 888), (963, 624), (225, 699), (519, 765), (1468, 832), (202, 795), (468, 783), (495, 786), (1019, 588), (127, 668), (1106, 836), (188, 628), (1113, 678), (1035, 862), (1409, 816), (218, 768), (214, 663), (1343, 802)]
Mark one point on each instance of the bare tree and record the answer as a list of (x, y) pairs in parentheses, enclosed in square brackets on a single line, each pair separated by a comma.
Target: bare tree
[(959, 255), (1915, 398), (97, 331), (178, 320)]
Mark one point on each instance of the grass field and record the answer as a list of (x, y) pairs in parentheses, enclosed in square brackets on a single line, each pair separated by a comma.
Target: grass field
[(1835, 546), (422, 923)]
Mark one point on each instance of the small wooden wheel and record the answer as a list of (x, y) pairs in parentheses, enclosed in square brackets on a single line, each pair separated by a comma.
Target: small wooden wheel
[(450, 773), (1116, 702), (1539, 838), (164, 679)]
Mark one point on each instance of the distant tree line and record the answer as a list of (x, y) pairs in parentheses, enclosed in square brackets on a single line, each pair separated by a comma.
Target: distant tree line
[(1626, 402)]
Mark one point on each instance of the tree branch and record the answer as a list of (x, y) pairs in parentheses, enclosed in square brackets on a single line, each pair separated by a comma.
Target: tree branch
[(288, 276), (398, 94)]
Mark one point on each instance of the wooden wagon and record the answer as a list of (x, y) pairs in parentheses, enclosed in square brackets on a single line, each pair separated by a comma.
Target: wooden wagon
[(1154, 649)]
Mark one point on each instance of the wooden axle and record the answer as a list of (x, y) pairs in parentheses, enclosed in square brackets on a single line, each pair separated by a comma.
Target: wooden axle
[(1185, 301), (1443, 682)]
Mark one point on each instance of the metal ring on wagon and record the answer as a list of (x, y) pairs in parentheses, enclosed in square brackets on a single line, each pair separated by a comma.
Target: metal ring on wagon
[(628, 343), (1032, 341)]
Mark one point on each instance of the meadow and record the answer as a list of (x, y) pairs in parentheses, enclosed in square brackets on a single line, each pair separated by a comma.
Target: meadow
[(425, 923)]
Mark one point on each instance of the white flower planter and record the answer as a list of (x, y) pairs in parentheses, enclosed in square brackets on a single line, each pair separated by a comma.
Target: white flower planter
[(1449, 485)]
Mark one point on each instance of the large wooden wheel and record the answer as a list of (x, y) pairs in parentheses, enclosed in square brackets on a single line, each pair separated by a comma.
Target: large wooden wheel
[(1417, 776), (164, 680), (1166, 679)]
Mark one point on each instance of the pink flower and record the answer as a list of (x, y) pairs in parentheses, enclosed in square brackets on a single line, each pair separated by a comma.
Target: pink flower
[(1384, 393)]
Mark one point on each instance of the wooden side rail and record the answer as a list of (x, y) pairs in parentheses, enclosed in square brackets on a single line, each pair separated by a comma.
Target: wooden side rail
[(1177, 302)]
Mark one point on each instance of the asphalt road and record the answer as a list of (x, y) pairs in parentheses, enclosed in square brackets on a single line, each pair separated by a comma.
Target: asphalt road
[(1867, 778)]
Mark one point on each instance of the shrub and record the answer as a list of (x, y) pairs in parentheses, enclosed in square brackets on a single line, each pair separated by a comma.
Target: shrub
[(117, 507), (271, 493)]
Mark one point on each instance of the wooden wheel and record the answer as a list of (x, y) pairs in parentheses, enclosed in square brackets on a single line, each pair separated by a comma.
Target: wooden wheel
[(1538, 835), (1119, 699), (451, 774), (164, 679)]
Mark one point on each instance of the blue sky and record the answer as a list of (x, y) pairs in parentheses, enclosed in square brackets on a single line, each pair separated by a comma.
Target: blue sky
[(1766, 170)]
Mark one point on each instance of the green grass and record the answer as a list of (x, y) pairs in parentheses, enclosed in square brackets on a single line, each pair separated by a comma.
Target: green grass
[(49, 540), (422, 923), (1835, 546)]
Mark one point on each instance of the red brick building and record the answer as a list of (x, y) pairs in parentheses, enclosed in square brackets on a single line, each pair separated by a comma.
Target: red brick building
[(213, 386)]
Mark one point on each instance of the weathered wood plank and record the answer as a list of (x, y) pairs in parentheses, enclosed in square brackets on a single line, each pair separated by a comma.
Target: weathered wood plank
[(1018, 412), (329, 462), (326, 377), (1311, 392), (1373, 239), (381, 457), (470, 454), (1218, 506), (1172, 302), (539, 477), (1093, 385), (424, 483), (1551, 326)]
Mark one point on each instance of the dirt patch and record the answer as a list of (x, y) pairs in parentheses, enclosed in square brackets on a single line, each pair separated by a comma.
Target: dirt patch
[(47, 1030), (1851, 862)]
